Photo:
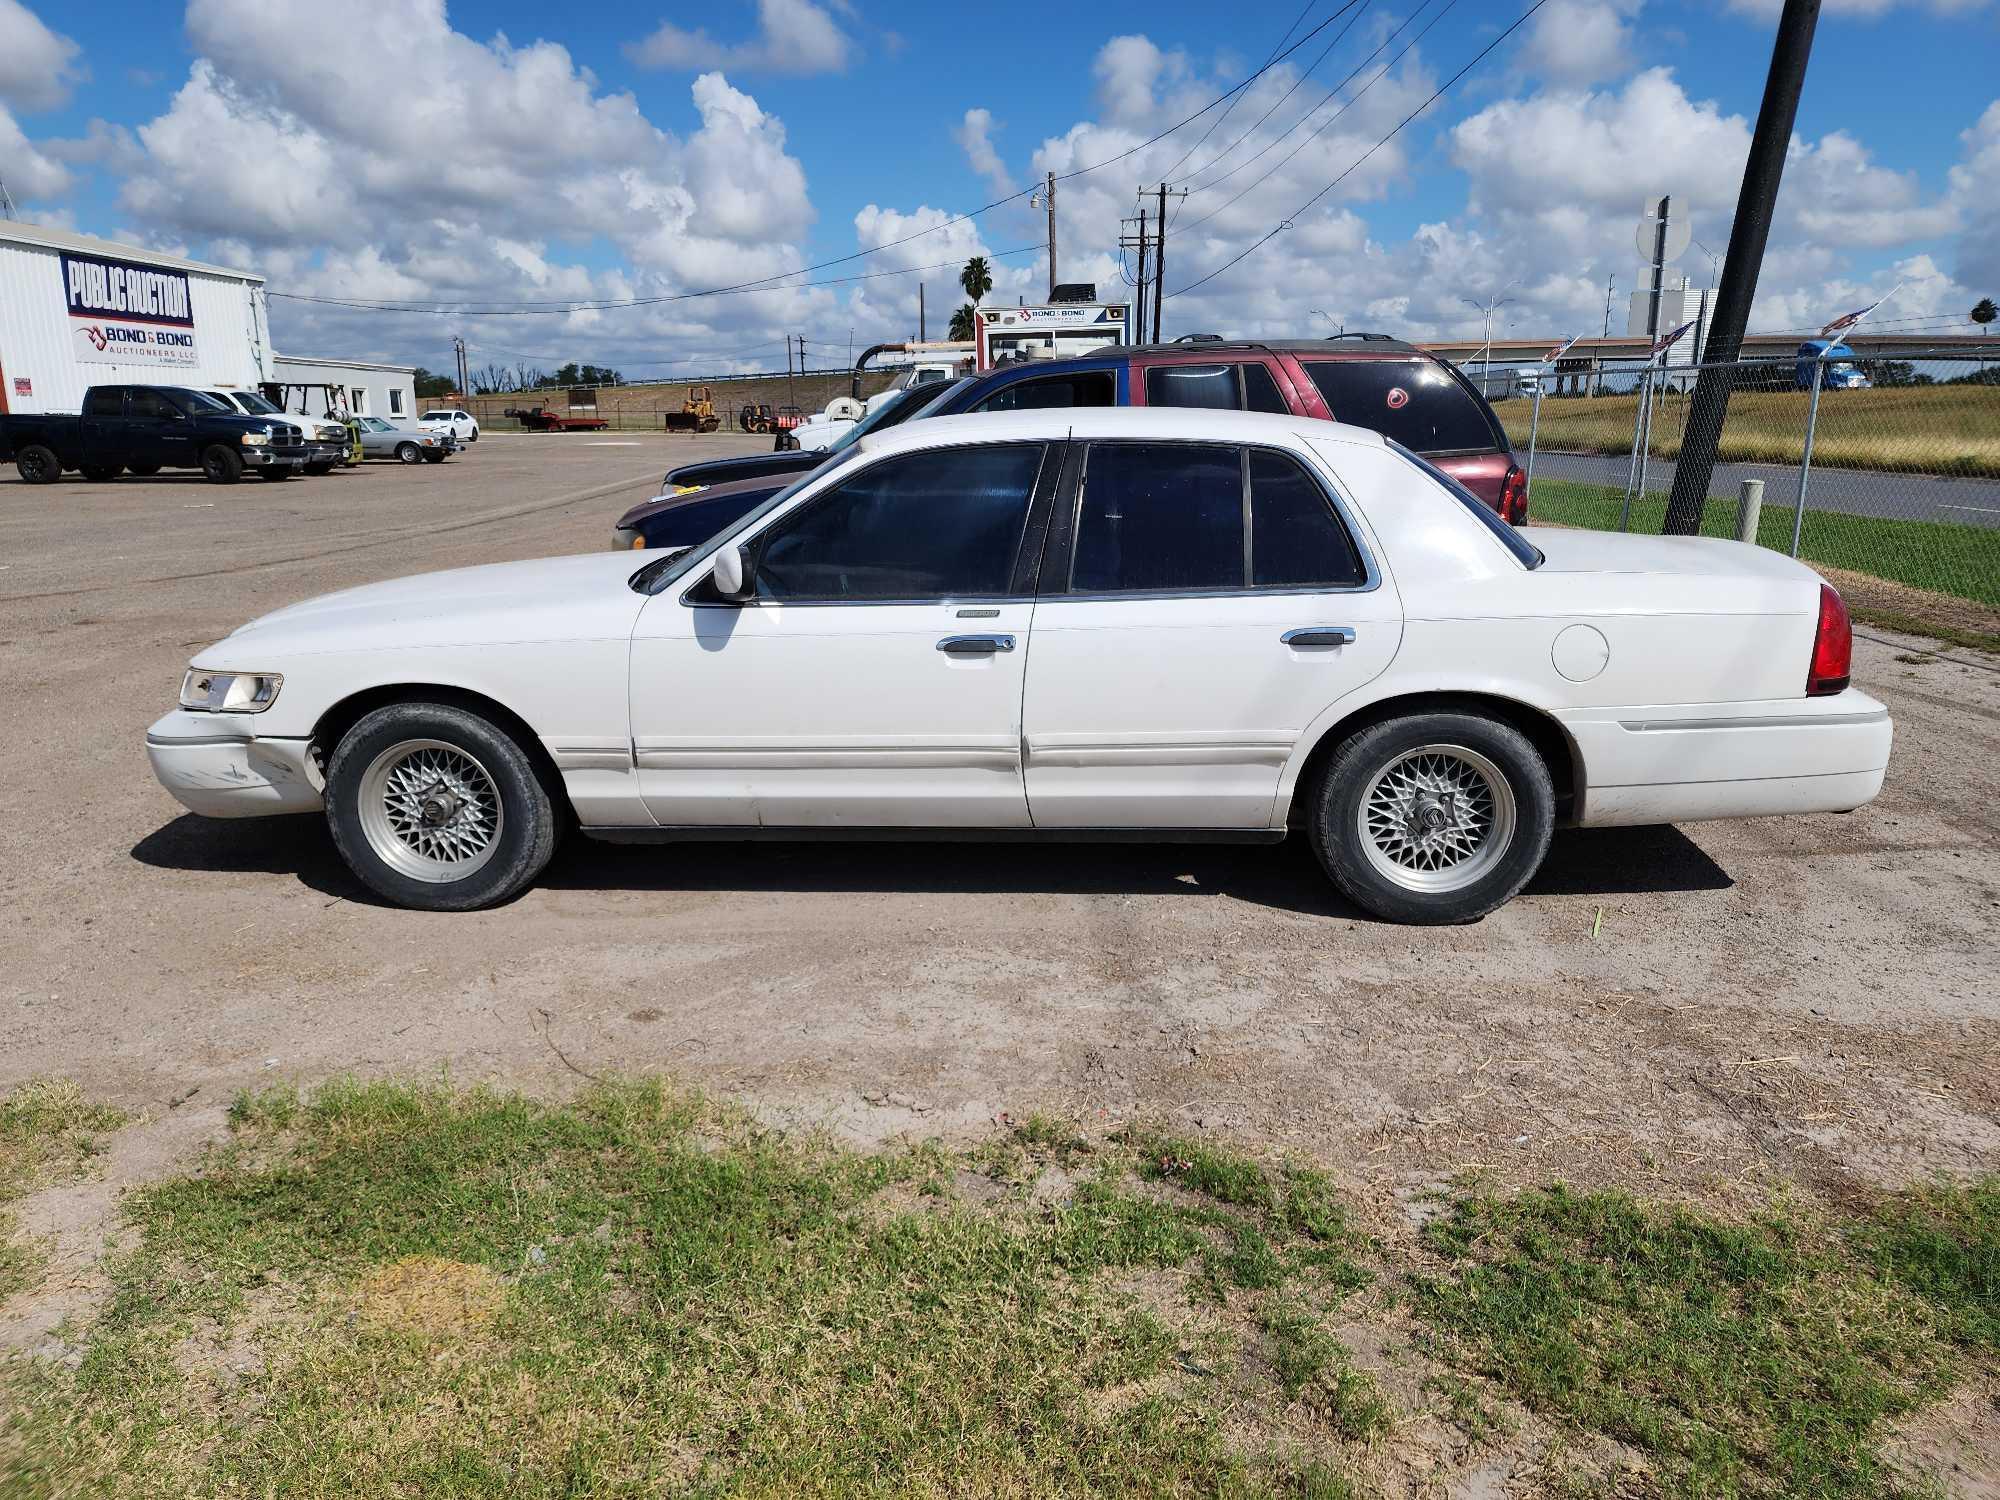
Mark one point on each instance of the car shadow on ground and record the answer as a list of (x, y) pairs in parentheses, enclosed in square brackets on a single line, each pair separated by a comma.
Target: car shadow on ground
[(1602, 862)]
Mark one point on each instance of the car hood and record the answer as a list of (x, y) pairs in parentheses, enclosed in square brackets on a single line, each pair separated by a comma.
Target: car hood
[(746, 466), (766, 485), (555, 598)]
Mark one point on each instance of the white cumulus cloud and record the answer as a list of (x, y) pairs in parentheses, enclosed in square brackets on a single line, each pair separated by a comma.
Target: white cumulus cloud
[(793, 36)]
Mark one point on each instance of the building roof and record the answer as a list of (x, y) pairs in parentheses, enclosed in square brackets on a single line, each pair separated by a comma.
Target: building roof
[(340, 364), (84, 244)]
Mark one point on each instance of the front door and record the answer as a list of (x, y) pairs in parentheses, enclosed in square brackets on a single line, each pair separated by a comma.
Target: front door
[(1201, 606), (157, 430), (874, 680)]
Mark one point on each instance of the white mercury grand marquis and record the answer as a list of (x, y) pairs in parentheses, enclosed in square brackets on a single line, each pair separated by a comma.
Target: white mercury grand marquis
[(1090, 623)]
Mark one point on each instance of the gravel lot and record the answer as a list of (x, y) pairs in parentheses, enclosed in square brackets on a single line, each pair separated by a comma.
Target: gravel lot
[(1789, 999)]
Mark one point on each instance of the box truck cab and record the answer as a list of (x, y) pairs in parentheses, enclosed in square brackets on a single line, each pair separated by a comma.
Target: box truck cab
[(1841, 372)]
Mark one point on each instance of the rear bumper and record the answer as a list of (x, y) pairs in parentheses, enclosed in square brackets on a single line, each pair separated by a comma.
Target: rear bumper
[(215, 766), (1685, 762)]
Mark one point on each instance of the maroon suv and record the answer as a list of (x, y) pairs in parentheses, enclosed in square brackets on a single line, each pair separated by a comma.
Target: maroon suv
[(1369, 380)]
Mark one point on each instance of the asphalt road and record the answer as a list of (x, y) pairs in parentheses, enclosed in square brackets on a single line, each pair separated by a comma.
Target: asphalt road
[(1853, 492), (1704, 1010)]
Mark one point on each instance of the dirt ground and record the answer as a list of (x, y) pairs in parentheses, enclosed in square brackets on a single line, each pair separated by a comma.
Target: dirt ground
[(1712, 1011)]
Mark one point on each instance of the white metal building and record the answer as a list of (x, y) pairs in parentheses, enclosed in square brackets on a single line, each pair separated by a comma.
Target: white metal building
[(77, 311)]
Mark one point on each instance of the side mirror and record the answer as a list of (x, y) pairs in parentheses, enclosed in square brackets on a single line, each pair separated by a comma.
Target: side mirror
[(732, 573)]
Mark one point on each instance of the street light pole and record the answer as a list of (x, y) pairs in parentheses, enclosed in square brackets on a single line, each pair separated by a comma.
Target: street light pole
[(1486, 349)]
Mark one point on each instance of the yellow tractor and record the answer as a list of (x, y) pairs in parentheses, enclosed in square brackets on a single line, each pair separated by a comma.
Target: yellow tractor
[(697, 413)]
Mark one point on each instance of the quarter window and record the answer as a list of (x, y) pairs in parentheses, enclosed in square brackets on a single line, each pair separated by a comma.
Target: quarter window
[(939, 525), (105, 401), (1414, 401), (1260, 391)]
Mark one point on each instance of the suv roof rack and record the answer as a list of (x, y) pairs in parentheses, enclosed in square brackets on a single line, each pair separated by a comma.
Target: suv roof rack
[(1372, 338)]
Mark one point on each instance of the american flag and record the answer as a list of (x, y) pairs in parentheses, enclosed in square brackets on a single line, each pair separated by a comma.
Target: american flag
[(1667, 340), (1561, 349), (1847, 320)]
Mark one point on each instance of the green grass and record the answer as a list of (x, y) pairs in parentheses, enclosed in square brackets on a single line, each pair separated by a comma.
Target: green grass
[(1947, 430), (385, 1290), (1743, 1359), (1937, 630), (446, 1293), (48, 1131), (1950, 559)]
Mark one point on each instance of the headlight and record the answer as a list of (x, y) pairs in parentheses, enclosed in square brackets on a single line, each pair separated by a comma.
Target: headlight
[(258, 439), (625, 539), (230, 692)]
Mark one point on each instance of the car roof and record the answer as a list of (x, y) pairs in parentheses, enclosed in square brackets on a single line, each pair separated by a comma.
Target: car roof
[(1185, 424)]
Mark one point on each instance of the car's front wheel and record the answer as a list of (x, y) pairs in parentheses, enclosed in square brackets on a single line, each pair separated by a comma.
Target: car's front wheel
[(1434, 818), (220, 465), (437, 808), (408, 453)]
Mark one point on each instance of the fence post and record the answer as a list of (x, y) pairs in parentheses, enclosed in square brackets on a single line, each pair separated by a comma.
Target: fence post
[(1805, 462), (1632, 471), (1749, 510), (1534, 429)]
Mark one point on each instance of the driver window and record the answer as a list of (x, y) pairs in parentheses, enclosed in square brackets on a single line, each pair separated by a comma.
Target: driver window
[(145, 403), (922, 526)]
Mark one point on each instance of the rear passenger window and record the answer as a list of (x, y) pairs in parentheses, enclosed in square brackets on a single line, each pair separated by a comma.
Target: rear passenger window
[(1414, 401), (1083, 388), (1158, 516), (1295, 538), (1260, 391), (1212, 387), (105, 401)]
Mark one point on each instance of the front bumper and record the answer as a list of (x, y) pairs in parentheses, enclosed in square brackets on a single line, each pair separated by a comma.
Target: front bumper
[(290, 456), (216, 766), (325, 451)]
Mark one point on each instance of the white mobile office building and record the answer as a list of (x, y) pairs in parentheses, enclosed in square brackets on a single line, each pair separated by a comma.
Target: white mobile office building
[(76, 311)]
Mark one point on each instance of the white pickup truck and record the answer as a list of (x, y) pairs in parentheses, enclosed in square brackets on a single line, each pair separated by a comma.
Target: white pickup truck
[(819, 431)]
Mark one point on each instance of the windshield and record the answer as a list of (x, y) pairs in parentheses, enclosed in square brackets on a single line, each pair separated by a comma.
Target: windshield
[(1525, 552), (876, 418), (657, 577), (210, 399), (251, 402)]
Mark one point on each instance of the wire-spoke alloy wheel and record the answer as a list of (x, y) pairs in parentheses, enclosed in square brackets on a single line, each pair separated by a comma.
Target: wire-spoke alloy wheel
[(430, 810), (1437, 818)]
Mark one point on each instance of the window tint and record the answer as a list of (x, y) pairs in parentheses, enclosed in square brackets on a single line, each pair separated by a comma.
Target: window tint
[(1209, 386), (1159, 516), (105, 401), (147, 403), (1295, 538), (1414, 401), (1525, 551), (941, 525), (1079, 388), (1260, 391)]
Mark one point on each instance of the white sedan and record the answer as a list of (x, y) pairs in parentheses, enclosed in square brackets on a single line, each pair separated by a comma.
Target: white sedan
[(462, 425), (1094, 623)]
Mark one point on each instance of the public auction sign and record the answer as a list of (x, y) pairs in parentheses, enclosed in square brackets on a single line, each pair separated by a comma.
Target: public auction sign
[(126, 314)]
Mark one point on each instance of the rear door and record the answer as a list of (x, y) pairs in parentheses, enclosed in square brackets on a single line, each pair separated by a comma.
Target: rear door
[(1201, 605), (103, 428), (1235, 382)]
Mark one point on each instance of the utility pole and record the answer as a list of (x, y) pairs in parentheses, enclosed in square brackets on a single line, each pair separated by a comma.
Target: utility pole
[(1137, 331), (1748, 235), (1664, 218), (1160, 264), (1609, 282), (458, 355), (1045, 197), (920, 312)]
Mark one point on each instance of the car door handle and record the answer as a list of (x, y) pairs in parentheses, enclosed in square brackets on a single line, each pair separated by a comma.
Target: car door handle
[(1319, 635), (975, 645)]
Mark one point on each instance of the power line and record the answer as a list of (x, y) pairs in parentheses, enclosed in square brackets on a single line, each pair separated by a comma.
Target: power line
[(1325, 124), (1217, 121), (1438, 94), (1297, 84)]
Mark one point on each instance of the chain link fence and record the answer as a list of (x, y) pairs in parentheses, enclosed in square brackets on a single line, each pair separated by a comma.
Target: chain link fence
[(1885, 465)]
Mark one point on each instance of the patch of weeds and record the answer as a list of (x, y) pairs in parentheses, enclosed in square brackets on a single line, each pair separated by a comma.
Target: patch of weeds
[(48, 1130), (1049, 1136), (1223, 1175), (1740, 1358), (1905, 623), (1467, 1408), (1312, 1368), (1943, 1243), (274, 1108)]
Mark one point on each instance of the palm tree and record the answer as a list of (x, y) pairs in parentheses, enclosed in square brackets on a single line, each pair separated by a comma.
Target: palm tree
[(1983, 312), (961, 324), (976, 278)]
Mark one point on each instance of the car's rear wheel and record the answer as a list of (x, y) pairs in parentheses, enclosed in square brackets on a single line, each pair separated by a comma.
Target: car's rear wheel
[(220, 465), (1434, 818), (408, 453), (38, 464), (101, 472), (437, 808)]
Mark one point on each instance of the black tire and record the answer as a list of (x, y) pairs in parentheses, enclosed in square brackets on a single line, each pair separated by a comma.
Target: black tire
[(276, 471), (99, 473), (143, 471), (1494, 873), (433, 457), (528, 823), (408, 453), (38, 464), (220, 465), (318, 469)]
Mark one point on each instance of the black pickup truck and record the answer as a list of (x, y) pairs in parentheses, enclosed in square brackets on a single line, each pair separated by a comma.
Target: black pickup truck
[(147, 428)]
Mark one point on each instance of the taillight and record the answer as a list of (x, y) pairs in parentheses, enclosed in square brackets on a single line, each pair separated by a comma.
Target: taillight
[(1514, 497), (1833, 647)]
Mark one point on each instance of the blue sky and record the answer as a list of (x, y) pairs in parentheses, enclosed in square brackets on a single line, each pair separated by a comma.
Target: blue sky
[(516, 153)]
